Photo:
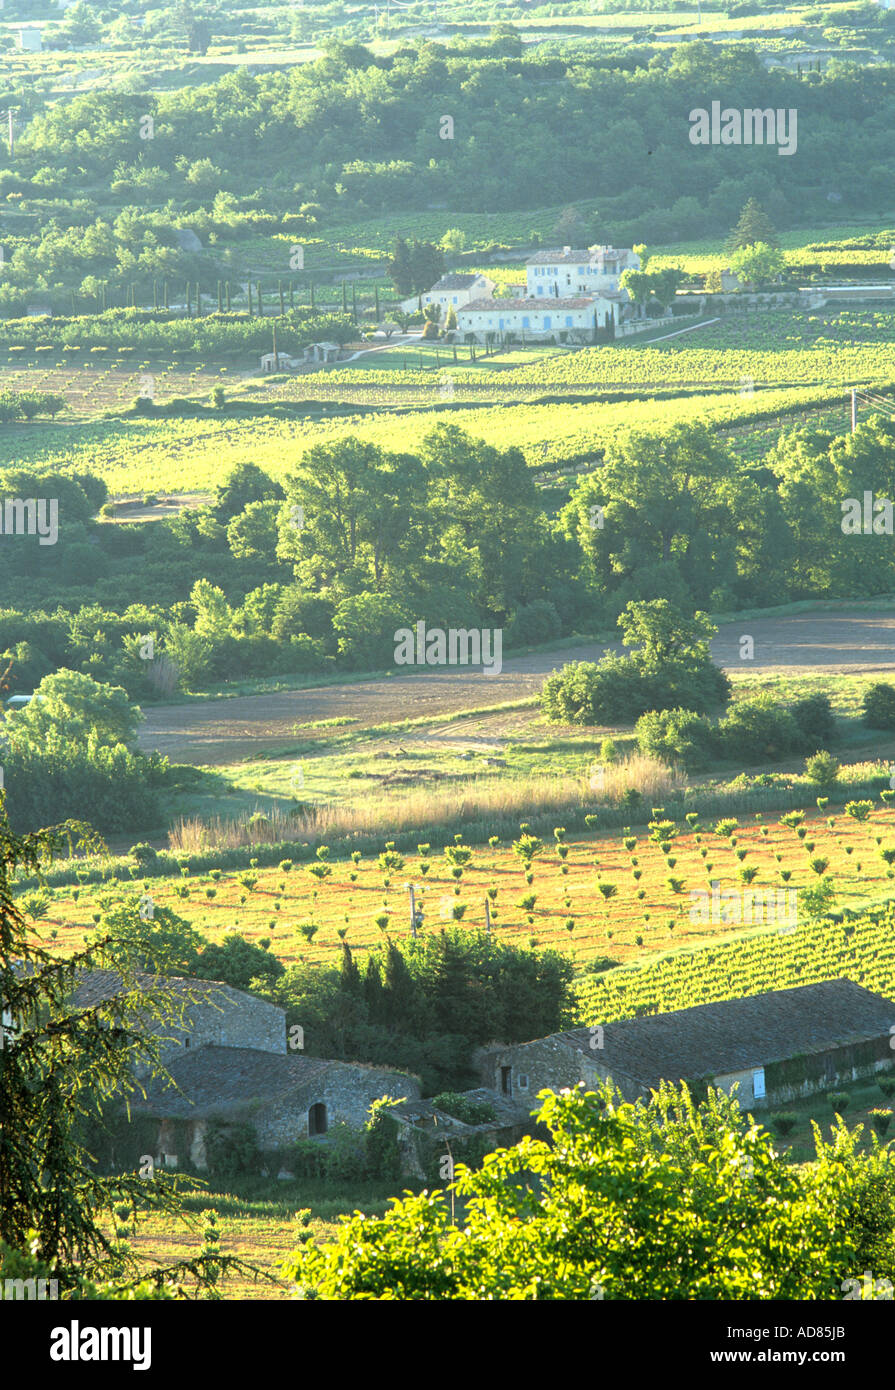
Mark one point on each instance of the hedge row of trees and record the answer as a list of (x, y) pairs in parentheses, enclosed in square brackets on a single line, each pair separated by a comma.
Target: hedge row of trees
[(144, 330), (317, 571)]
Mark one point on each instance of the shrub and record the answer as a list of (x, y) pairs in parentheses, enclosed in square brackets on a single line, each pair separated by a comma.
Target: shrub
[(839, 1100), (144, 854), (676, 736), (460, 1107), (726, 827), (879, 706), (783, 1122), (759, 731), (814, 717), (822, 769), (231, 1149), (858, 810)]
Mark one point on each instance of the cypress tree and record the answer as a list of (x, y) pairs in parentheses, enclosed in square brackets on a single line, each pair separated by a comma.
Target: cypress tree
[(402, 999), (349, 975), (373, 992)]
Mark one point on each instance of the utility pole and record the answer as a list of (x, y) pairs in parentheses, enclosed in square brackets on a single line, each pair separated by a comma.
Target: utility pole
[(415, 915), (854, 410), (487, 915), (11, 134)]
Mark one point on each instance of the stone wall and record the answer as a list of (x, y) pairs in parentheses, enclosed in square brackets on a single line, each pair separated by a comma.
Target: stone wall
[(234, 1019)]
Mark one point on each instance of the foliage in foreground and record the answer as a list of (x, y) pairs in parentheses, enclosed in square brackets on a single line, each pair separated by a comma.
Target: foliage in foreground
[(59, 1067), (659, 1201)]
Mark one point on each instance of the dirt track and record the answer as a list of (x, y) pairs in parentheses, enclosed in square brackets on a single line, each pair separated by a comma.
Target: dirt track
[(226, 730)]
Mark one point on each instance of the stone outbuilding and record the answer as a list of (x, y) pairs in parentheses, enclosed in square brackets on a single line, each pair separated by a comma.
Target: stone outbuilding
[(196, 1013), (778, 1047), (285, 1098), (431, 1139)]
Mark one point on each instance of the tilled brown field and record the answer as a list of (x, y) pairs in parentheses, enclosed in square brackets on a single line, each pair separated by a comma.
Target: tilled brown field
[(228, 729)]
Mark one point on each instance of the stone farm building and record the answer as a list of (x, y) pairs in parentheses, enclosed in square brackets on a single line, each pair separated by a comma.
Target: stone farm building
[(227, 1054), (284, 1097), (778, 1046), (202, 1013)]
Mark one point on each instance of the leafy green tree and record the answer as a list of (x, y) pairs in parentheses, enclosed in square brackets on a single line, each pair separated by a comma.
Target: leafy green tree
[(639, 284), (164, 942), (244, 484), (75, 707), (365, 516), (453, 241), (237, 962), (669, 668), (426, 265), (659, 633), (758, 263), (612, 1207), (673, 514)]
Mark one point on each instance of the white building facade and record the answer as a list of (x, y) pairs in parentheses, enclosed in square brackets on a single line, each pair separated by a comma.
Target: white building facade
[(563, 320), (566, 272), (452, 291)]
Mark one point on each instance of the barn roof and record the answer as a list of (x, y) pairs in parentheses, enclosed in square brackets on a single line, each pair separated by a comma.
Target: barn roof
[(736, 1034), (217, 1079), (99, 986)]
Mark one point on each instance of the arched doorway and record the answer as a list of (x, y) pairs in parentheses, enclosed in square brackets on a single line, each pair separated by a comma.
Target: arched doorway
[(317, 1118)]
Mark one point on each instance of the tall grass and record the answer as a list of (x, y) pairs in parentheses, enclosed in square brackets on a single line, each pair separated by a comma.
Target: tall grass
[(501, 801)]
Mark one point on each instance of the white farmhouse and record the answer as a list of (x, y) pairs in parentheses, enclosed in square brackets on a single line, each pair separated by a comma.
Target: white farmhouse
[(574, 272), (565, 320), (30, 40), (452, 291)]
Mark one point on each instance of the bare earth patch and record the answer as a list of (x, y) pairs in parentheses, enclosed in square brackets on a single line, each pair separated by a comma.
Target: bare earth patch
[(227, 730)]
